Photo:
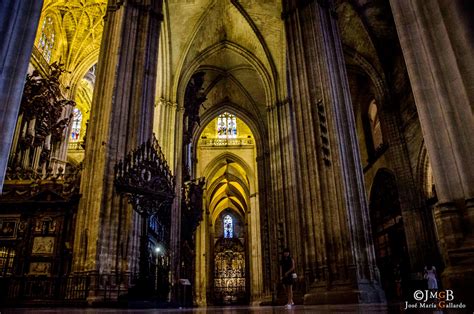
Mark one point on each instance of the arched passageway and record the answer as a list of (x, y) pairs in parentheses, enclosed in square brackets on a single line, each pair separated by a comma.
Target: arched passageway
[(389, 234), (228, 250)]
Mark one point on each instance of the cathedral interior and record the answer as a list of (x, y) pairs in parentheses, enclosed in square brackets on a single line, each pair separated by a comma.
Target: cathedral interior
[(170, 150)]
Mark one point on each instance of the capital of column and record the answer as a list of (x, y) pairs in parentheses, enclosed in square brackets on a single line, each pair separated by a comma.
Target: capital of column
[(261, 157), (114, 6), (179, 108), (283, 103), (165, 103), (271, 108)]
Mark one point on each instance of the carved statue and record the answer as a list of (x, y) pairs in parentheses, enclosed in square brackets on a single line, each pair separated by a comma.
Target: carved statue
[(193, 191), (193, 99)]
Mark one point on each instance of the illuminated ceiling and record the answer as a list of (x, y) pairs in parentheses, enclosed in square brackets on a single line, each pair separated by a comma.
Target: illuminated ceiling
[(78, 26), (227, 179), (238, 44), (228, 189)]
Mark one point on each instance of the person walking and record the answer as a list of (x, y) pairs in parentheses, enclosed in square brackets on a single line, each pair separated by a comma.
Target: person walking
[(287, 268)]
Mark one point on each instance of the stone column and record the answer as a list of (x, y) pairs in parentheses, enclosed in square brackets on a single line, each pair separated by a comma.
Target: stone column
[(275, 164), (121, 119), (438, 56), (255, 261), (165, 126), (170, 118), (289, 187), (202, 258), (267, 231), (175, 234), (277, 222), (342, 260), (18, 25)]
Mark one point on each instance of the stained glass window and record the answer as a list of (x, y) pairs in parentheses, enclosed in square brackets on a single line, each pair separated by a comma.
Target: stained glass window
[(226, 125), (228, 227), (76, 125), (375, 127), (46, 40)]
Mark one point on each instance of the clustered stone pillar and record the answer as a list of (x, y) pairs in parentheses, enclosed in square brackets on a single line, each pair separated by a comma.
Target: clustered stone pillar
[(275, 215), (437, 47), (284, 216), (107, 228), (18, 25), (335, 229), (166, 112), (175, 237), (170, 116), (266, 223)]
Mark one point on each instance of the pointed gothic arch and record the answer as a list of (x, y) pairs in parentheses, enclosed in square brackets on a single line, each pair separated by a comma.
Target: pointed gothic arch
[(259, 67), (388, 230), (231, 184), (256, 126)]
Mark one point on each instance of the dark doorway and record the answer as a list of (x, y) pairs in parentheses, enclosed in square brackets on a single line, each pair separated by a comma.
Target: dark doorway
[(389, 234)]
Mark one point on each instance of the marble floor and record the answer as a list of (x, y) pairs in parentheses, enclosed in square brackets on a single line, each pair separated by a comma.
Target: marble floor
[(225, 310)]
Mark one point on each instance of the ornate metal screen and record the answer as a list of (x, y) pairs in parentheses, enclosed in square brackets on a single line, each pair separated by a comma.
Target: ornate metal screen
[(145, 178), (229, 271)]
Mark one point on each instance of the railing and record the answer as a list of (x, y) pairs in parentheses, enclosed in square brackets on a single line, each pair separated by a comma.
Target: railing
[(17, 290), (37, 288), (75, 145), (226, 142)]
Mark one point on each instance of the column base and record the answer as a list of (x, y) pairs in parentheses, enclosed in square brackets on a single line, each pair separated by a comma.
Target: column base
[(95, 298), (469, 203), (460, 279), (366, 293)]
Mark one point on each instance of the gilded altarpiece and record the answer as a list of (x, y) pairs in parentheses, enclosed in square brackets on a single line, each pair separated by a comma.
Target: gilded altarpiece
[(229, 271), (230, 283)]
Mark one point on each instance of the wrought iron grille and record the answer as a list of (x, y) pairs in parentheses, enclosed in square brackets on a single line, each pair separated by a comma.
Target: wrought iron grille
[(144, 175), (145, 178)]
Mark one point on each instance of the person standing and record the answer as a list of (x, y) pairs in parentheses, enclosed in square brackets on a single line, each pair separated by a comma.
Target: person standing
[(287, 268), (398, 280), (430, 276)]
